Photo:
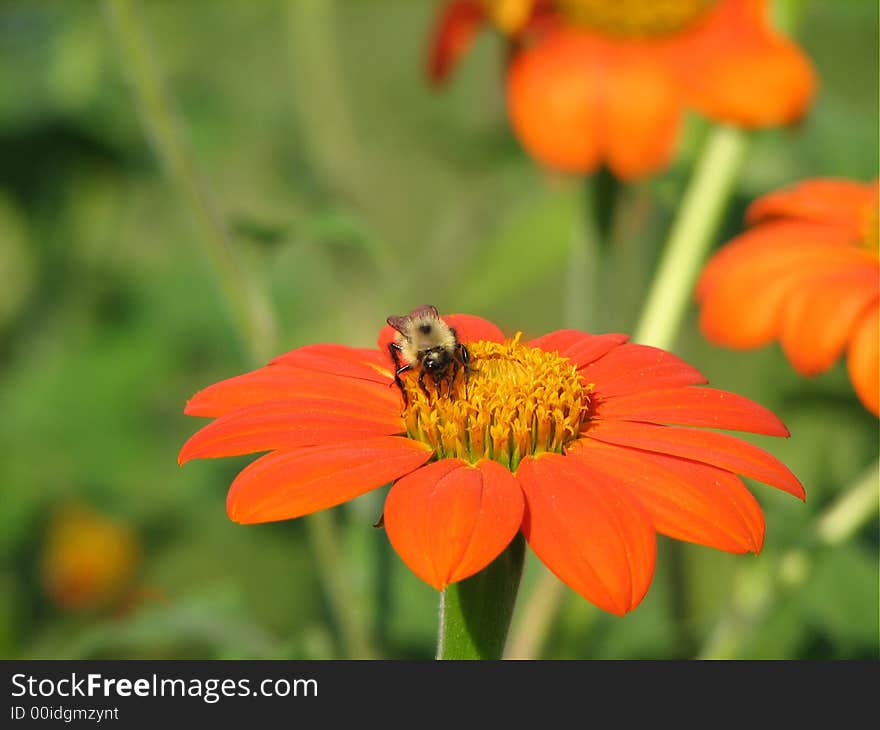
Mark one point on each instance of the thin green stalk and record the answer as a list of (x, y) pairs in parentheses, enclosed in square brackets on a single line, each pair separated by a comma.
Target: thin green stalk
[(252, 316), (535, 620), (588, 254), (753, 595), (249, 310), (690, 238), (475, 613)]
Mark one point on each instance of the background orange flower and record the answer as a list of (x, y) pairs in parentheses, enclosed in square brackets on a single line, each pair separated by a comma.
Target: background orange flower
[(595, 82), (807, 273)]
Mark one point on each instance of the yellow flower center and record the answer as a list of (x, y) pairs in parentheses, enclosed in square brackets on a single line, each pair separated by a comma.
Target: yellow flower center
[(870, 225), (509, 15), (517, 401), (635, 18)]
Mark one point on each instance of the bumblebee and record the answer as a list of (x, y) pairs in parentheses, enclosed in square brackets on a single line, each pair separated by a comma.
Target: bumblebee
[(426, 343)]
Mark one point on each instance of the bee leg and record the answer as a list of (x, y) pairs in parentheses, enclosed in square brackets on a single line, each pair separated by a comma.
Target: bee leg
[(394, 348), (423, 386), (450, 381), (465, 357)]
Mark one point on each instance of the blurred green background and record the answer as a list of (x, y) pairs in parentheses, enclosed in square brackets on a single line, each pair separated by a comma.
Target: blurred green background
[(347, 190)]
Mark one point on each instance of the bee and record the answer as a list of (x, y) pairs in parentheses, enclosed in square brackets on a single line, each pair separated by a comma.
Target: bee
[(426, 343)]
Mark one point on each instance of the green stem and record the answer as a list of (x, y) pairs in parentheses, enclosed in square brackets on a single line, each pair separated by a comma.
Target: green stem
[(475, 613), (535, 621), (691, 236), (252, 314), (588, 254), (336, 583)]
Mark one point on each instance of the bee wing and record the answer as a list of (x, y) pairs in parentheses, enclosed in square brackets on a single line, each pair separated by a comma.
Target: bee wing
[(401, 324), (426, 310)]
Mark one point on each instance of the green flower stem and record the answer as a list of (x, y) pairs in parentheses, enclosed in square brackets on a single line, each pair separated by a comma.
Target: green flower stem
[(691, 236), (252, 315), (588, 254), (250, 312), (534, 621), (475, 613), (755, 592)]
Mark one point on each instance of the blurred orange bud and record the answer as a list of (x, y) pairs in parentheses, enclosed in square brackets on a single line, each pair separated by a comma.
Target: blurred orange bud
[(89, 559)]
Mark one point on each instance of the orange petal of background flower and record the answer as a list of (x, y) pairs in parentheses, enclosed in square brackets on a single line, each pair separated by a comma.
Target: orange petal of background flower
[(822, 200), (554, 101), (642, 113), (287, 484), (863, 361), (449, 520), (468, 328), (349, 362), (591, 532), (819, 316), (579, 347), (289, 424), (708, 447), (451, 37), (281, 382), (693, 407), (685, 499), (800, 238), (743, 289), (633, 368), (734, 68)]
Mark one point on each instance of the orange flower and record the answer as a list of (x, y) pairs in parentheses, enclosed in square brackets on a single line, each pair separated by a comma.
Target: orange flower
[(594, 82), (564, 438), (807, 274), (89, 559)]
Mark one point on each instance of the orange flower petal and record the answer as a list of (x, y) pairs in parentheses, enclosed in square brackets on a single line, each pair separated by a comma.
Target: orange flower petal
[(591, 532), (708, 447), (685, 499), (642, 114), (579, 347), (819, 316), (773, 238), (633, 368), (863, 361), (287, 484), (349, 362), (281, 382), (744, 287), (288, 424), (693, 407), (449, 520), (821, 200), (554, 90), (452, 36), (734, 68), (468, 328)]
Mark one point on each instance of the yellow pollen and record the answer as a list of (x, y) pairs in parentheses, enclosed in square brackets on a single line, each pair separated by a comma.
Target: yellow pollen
[(870, 225), (635, 18), (517, 401)]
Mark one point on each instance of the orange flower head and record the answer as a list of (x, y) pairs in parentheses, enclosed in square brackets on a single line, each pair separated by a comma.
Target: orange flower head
[(89, 559), (584, 443), (807, 274), (592, 82)]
